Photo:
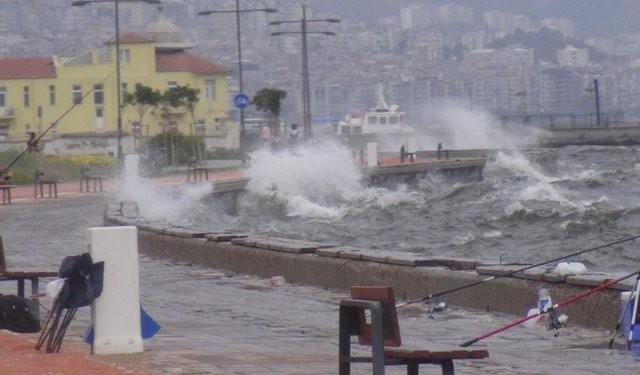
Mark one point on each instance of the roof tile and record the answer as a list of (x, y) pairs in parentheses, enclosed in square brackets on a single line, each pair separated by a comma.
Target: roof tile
[(31, 67), (181, 61)]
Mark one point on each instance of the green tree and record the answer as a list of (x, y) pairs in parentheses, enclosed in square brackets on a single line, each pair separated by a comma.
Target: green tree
[(183, 97), (270, 100), (144, 98)]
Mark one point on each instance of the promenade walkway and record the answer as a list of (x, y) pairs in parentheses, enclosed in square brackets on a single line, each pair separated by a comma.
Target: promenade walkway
[(216, 322), (66, 188)]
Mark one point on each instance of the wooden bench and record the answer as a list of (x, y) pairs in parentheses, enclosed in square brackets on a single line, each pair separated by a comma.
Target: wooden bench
[(40, 180), (86, 179), (21, 274), (382, 333), (6, 193)]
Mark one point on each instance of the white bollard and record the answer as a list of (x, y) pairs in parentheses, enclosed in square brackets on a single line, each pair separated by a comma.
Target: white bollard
[(372, 154), (116, 313)]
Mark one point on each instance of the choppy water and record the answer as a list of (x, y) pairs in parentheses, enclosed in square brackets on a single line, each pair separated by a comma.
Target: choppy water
[(519, 211)]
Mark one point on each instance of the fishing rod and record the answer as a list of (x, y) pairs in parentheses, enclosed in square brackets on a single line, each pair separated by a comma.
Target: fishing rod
[(511, 273), (35, 140), (549, 310)]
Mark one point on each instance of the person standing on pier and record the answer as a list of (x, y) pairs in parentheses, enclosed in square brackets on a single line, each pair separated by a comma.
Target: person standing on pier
[(294, 135)]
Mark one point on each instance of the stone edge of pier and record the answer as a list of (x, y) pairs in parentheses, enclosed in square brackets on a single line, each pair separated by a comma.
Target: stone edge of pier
[(413, 276)]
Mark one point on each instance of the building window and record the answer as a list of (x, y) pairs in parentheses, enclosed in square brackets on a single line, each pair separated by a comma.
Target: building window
[(3, 96), (77, 94), (123, 92), (98, 94), (210, 89), (52, 95), (125, 55), (27, 97), (172, 84)]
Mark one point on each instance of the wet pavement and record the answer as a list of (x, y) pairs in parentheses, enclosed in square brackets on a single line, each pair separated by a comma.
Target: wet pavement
[(215, 322)]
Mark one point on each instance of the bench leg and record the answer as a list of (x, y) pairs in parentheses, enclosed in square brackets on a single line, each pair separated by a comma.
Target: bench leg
[(21, 287), (344, 344), (413, 368), (35, 295), (447, 367)]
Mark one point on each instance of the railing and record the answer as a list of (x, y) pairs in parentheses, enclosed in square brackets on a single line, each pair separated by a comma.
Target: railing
[(563, 121)]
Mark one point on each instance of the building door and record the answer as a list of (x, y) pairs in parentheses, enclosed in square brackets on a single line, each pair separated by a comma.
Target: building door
[(99, 120)]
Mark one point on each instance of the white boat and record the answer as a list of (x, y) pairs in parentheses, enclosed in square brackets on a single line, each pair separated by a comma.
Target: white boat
[(381, 120)]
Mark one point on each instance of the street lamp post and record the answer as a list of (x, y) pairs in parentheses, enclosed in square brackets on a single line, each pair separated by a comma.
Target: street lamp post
[(596, 90), (306, 91), (118, 76), (237, 12)]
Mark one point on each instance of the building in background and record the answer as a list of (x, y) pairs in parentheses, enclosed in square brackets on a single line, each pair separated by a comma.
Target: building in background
[(35, 92)]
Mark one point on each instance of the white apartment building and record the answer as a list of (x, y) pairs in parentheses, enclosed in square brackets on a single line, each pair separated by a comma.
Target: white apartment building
[(572, 56)]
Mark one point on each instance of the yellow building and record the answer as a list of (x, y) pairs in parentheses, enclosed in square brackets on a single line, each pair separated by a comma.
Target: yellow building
[(37, 92)]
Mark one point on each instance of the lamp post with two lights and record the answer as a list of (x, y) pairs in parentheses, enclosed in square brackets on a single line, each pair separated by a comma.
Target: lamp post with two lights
[(306, 97)]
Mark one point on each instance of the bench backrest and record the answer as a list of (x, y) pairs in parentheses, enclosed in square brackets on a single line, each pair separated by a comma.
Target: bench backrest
[(3, 262), (391, 329)]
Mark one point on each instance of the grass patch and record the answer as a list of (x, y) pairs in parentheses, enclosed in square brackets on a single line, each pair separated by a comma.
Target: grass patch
[(62, 168)]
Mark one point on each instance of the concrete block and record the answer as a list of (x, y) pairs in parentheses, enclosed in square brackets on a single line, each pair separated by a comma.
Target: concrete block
[(378, 256), (536, 273), (115, 314), (351, 253), (184, 232), (331, 252), (587, 279), (225, 237), (407, 259), (497, 270), (452, 263), (553, 277)]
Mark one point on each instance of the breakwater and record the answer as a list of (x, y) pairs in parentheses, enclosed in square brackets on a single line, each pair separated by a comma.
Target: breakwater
[(411, 275)]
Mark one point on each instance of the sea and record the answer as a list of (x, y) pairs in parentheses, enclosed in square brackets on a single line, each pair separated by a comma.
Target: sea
[(586, 200), (519, 212)]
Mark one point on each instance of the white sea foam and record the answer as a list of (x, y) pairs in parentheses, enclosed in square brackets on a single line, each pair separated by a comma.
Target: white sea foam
[(520, 166), (319, 180), (492, 234), (460, 127), (156, 204)]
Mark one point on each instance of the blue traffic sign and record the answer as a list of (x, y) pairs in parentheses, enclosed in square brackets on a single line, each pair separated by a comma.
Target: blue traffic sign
[(241, 101)]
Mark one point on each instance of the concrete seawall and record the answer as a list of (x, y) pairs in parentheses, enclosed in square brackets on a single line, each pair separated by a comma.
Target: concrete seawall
[(412, 276)]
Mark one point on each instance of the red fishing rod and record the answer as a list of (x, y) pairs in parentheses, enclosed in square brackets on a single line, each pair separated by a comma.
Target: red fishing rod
[(549, 310), (36, 139)]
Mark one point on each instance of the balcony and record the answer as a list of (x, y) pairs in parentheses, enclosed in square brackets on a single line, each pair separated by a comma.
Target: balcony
[(7, 113)]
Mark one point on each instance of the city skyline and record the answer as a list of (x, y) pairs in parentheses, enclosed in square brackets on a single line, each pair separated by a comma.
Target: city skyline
[(422, 61)]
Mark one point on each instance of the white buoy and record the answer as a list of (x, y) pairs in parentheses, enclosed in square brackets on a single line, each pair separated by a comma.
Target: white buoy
[(115, 315), (372, 154)]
